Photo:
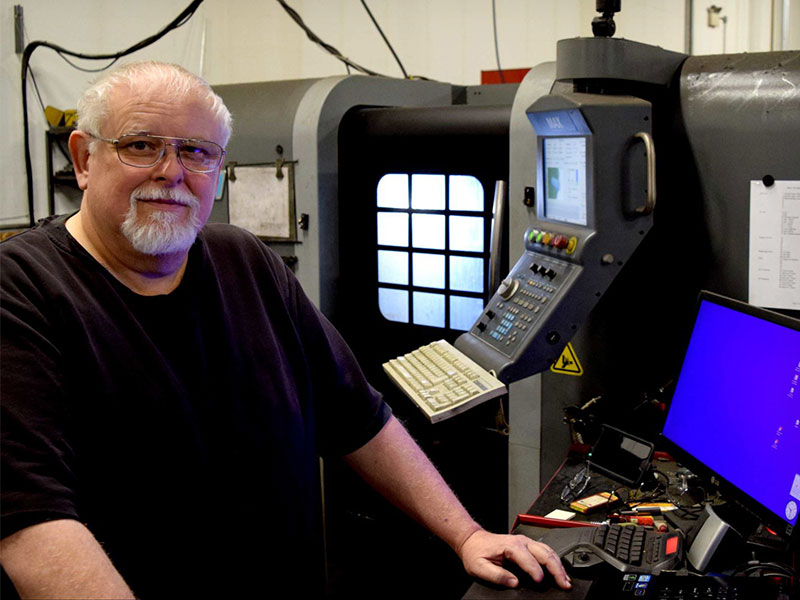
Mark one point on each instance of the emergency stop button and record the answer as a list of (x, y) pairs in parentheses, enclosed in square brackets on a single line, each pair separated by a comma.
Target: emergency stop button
[(572, 244)]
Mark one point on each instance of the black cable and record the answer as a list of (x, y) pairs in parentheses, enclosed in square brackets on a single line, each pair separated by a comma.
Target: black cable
[(385, 39), (59, 145), (33, 77), (496, 46), (74, 66), (784, 570), (327, 47), (181, 19), (36, 89)]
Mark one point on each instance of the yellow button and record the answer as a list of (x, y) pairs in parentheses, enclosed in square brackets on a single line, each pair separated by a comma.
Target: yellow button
[(572, 244)]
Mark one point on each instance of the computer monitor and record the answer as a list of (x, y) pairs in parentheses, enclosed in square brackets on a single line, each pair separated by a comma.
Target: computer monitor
[(734, 418)]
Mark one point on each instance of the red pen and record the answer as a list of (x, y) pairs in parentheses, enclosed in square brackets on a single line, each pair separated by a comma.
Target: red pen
[(548, 522)]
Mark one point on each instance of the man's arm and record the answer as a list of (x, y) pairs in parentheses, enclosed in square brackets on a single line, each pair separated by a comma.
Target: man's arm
[(60, 559), (394, 465)]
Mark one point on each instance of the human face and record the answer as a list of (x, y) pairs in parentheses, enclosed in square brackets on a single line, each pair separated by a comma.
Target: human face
[(154, 210)]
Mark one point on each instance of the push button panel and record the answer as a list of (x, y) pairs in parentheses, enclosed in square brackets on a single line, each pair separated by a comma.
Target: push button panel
[(519, 306), (562, 243)]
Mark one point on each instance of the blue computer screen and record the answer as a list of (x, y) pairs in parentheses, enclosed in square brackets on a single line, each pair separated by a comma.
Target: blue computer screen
[(736, 406)]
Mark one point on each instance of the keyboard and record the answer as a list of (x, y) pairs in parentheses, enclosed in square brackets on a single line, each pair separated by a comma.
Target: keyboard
[(442, 381), (632, 586), (627, 548)]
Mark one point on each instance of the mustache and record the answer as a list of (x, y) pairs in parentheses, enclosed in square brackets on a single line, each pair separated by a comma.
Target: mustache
[(176, 195)]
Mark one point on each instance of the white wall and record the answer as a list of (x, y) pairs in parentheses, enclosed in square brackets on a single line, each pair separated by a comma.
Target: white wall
[(233, 41)]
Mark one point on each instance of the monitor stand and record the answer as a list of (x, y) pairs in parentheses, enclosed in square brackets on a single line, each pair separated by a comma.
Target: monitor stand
[(724, 531)]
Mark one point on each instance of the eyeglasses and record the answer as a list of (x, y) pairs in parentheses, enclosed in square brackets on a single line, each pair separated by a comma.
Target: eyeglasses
[(138, 150), (576, 485)]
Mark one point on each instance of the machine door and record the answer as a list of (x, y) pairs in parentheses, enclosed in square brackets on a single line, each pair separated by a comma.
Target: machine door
[(417, 189)]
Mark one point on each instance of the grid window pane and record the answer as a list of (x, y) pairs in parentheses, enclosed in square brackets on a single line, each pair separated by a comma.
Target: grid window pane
[(466, 274), (393, 191), (427, 192), (428, 270), (464, 311), (466, 233), (393, 304), (428, 309), (425, 197), (428, 231), (392, 267), (466, 193), (393, 229)]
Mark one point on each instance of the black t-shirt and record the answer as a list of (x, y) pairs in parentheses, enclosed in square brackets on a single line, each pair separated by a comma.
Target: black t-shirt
[(184, 430)]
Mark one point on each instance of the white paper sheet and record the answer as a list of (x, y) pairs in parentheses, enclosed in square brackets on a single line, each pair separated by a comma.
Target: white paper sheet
[(775, 244), (261, 202)]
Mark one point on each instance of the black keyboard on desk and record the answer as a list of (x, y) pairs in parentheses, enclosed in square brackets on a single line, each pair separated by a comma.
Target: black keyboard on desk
[(632, 586), (628, 548)]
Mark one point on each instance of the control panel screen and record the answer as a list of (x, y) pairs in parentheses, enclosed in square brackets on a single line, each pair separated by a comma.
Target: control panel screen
[(564, 176)]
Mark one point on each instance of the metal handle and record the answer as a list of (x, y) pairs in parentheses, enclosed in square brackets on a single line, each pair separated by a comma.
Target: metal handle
[(650, 152), (498, 219)]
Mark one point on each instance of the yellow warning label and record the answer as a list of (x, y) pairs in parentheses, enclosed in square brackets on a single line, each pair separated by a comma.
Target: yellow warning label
[(567, 363)]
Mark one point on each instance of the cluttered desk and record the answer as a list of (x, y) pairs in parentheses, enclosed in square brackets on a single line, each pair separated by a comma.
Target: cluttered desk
[(713, 513)]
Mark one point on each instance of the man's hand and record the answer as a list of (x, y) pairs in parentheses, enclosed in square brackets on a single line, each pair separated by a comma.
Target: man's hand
[(394, 465), (483, 554)]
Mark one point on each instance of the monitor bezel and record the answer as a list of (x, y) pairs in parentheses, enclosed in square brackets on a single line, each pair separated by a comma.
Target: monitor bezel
[(729, 491)]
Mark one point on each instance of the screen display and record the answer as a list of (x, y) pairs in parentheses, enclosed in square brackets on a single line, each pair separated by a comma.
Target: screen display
[(620, 455), (565, 186), (736, 406)]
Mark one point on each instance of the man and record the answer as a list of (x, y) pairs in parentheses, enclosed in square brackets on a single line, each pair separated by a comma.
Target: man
[(167, 386)]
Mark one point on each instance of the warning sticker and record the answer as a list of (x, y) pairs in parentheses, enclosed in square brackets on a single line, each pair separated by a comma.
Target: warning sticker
[(567, 363)]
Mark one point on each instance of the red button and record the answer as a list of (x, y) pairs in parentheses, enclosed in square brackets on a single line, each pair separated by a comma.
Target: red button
[(672, 544), (560, 241)]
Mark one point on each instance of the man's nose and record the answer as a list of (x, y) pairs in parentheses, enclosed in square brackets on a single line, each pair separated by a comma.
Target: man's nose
[(170, 167)]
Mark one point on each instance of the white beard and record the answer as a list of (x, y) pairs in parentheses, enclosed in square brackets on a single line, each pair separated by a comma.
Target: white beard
[(162, 232)]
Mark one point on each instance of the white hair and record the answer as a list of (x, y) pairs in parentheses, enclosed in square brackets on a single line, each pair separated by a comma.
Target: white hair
[(93, 106), (161, 231)]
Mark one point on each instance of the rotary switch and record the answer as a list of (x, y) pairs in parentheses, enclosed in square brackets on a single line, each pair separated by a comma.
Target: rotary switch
[(507, 288)]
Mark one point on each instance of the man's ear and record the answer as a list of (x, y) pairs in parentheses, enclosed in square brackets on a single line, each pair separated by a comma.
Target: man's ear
[(79, 149)]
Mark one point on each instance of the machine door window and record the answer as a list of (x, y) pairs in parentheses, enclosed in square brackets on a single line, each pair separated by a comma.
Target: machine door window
[(431, 250)]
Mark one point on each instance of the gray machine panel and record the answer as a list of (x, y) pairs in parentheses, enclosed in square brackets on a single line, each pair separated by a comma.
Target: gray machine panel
[(566, 267), (742, 119), (263, 122), (608, 58)]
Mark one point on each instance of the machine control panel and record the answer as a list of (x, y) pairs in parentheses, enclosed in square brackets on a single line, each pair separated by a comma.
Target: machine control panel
[(515, 313), (589, 210)]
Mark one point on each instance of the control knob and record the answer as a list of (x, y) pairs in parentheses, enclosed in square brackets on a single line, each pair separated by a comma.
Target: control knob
[(507, 288)]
